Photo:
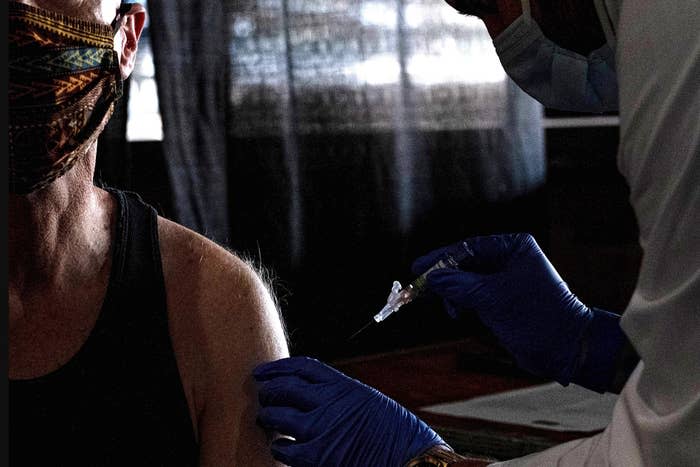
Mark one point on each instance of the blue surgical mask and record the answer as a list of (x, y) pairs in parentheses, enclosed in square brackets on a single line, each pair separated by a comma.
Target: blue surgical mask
[(558, 78)]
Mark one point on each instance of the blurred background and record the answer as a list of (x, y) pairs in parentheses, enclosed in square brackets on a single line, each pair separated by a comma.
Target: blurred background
[(331, 143)]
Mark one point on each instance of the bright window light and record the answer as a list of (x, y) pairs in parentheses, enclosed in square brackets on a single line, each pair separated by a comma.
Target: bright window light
[(144, 122), (375, 71)]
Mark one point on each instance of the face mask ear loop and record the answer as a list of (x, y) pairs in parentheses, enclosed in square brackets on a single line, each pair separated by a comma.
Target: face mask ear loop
[(527, 14)]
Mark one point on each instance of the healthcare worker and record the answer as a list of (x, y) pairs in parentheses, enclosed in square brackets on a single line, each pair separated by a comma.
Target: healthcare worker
[(649, 68)]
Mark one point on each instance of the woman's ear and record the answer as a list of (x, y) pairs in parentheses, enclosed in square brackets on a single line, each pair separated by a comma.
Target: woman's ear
[(130, 32)]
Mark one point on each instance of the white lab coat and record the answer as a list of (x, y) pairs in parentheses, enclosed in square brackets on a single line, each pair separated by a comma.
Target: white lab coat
[(656, 421)]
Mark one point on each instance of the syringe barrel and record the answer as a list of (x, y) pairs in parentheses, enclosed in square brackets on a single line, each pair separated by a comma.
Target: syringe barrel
[(401, 296), (418, 285)]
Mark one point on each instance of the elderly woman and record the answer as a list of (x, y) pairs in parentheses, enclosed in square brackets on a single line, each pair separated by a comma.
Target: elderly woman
[(131, 338)]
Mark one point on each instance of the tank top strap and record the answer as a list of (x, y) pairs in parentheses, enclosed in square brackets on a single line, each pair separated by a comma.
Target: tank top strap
[(136, 256)]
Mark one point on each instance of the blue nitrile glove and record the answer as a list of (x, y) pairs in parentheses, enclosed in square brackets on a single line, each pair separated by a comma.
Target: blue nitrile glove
[(335, 420), (509, 282)]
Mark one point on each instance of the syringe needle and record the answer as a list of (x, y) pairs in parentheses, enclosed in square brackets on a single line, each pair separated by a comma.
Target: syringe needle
[(361, 329), (400, 296)]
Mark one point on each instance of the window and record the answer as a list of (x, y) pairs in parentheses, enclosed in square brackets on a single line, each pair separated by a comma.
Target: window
[(144, 121), (356, 65)]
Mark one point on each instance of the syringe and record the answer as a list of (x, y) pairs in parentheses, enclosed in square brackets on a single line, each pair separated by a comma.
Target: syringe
[(400, 296)]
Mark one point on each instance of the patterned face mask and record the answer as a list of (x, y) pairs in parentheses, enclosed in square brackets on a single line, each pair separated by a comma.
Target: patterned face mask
[(64, 79)]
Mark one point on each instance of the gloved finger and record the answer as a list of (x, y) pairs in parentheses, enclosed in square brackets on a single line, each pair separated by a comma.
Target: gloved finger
[(285, 420), (304, 367), (455, 286), (489, 254), (425, 262), (474, 253), (492, 253), (289, 391), (479, 254), (290, 452)]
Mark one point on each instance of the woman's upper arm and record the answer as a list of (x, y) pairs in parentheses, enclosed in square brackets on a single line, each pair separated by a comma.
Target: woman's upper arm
[(224, 322), (243, 329)]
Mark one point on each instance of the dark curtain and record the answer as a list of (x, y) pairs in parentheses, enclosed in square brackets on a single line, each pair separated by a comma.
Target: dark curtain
[(190, 51)]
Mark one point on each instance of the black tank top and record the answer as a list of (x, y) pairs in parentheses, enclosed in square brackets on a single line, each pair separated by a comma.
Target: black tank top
[(119, 400)]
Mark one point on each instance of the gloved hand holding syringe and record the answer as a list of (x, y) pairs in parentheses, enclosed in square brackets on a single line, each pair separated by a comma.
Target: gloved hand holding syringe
[(400, 296)]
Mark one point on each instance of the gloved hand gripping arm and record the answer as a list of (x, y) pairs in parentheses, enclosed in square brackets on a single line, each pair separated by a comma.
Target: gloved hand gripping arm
[(335, 420), (509, 282)]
